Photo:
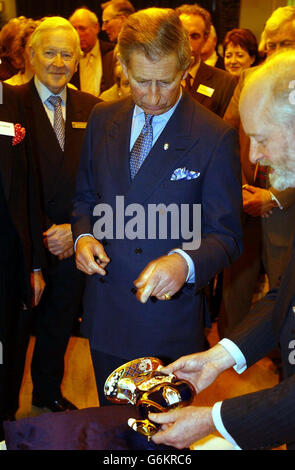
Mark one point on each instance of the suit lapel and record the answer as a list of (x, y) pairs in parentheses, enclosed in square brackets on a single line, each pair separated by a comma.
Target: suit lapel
[(118, 142), (285, 295), (203, 76), (42, 127), (170, 148)]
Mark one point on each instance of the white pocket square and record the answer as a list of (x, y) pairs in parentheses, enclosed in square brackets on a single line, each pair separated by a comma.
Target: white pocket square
[(184, 174)]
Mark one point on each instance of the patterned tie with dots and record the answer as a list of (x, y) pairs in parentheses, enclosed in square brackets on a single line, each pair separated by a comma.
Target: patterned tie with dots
[(142, 146), (58, 123)]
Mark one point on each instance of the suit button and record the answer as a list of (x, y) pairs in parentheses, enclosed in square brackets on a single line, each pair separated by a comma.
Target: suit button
[(98, 196), (102, 280), (138, 251), (133, 290)]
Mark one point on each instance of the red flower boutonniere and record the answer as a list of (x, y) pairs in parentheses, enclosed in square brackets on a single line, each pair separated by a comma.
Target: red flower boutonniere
[(20, 133)]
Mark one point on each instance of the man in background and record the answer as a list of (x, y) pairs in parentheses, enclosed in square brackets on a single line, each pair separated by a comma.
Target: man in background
[(95, 70), (208, 85), (209, 55), (56, 117), (114, 15)]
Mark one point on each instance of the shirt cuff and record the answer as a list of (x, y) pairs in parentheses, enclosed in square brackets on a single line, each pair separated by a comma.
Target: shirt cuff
[(236, 353), (190, 278), (216, 416), (80, 236), (277, 201)]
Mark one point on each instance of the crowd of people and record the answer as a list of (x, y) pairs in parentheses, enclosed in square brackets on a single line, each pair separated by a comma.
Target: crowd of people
[(94, 134)]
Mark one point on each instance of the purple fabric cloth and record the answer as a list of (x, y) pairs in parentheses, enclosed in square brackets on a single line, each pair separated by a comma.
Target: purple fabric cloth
[(102, 428)]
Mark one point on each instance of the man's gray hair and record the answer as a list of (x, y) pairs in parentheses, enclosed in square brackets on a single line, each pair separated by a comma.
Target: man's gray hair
[(278, 18), (91, 15), (52, 24), (121, 7), (157, 32), (196, 10), (277, 75)]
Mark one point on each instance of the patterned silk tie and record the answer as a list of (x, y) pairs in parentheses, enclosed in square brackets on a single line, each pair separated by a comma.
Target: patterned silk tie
[(142, 146), (58, 123)]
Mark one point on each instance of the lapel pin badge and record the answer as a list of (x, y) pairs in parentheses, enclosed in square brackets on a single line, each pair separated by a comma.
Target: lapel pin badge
[(166, 146)]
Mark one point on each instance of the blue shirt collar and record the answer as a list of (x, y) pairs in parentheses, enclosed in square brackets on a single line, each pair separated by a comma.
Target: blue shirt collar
[(44, 93)]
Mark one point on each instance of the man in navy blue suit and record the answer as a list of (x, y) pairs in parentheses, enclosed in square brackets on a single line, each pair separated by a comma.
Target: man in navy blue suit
[(157, 150), (264, 419)]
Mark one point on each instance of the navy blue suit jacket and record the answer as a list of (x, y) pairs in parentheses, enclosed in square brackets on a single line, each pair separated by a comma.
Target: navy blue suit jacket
[(114, 320)]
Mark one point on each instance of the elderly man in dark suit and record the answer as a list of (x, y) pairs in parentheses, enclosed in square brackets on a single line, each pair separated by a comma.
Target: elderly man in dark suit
[(56, 117), (268, 214), (21, 254), (264, 419), (210, 86), (187, 149)]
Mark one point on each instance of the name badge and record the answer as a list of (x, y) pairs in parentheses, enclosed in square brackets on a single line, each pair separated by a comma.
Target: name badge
[(79, 125), (205, 90), (7, 128)]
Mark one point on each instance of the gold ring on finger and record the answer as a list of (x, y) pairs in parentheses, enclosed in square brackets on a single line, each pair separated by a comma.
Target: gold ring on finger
[(167, 296)]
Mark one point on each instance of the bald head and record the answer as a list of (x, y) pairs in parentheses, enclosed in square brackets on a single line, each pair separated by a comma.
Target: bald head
[(87, 25)]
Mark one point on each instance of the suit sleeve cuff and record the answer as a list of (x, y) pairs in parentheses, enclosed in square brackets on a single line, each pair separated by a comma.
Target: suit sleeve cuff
[(236, 353), (80, 236), (218, 423), (190, 278)]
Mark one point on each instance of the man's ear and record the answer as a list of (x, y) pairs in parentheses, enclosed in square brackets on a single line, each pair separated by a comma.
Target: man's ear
[(31, 54)]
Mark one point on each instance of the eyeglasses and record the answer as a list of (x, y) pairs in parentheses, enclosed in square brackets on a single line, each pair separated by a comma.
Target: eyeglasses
[(272, 46)]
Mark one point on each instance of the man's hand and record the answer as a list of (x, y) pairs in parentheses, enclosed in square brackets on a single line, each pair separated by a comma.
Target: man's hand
[(201, 369), (37, 286), (165, 275), (257, 201), (183, 426), (90, 256), (58, 239), (66, 254)]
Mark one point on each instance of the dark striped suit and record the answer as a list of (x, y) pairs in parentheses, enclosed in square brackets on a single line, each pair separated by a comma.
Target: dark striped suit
[(266, 418)]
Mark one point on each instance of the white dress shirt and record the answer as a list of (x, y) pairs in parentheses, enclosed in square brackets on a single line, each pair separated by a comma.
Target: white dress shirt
[(90, 66)]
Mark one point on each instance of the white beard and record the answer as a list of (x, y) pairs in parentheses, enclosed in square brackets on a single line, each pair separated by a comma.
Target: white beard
[(282, 178)]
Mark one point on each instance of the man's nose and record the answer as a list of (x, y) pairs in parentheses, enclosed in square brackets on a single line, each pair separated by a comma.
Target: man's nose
[(58, 60), (154, 94), (255, 153)]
